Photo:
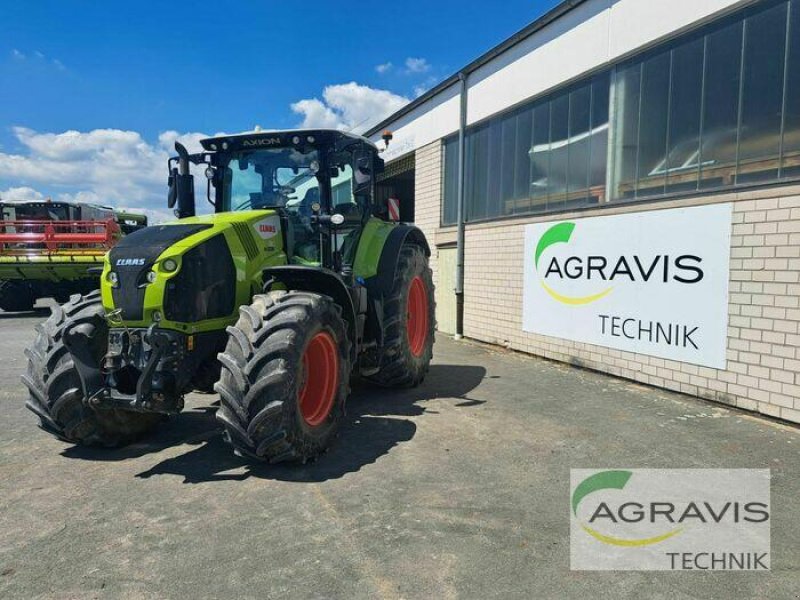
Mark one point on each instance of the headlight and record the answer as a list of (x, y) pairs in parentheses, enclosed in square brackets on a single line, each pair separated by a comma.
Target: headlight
[(156, 316), (170, 265), (113, 278), (152, 276)]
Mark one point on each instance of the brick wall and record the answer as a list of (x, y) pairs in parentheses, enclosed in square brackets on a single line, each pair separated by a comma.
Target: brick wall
[(763, 368), (427, 195)]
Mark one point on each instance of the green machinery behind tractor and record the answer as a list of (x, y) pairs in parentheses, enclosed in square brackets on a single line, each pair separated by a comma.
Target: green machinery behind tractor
[(55, 249), (297, 282)]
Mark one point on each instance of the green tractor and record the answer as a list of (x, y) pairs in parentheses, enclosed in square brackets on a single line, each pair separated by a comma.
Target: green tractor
[(296, 283)]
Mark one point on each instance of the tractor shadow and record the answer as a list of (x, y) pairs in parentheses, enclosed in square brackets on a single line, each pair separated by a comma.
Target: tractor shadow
[(37, 313), (373, 425)]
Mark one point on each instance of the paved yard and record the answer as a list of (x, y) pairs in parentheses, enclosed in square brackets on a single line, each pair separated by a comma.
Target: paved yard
[(456, 489)]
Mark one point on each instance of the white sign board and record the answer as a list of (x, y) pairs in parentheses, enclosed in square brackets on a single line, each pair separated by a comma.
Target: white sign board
[(654, 282)]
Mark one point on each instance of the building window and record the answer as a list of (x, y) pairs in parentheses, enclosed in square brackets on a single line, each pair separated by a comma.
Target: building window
[(718, 107), (548, 155), (708, 110), (449, 214)]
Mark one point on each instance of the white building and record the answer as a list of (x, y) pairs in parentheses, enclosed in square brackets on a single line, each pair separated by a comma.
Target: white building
[(679, 118)]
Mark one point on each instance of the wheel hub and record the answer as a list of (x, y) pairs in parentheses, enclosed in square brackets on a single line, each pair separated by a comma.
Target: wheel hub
[(417, 316), (320, 378)]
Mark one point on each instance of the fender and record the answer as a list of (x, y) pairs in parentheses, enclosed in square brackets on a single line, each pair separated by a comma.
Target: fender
[(324, 282), (380, 285), (390, 255)]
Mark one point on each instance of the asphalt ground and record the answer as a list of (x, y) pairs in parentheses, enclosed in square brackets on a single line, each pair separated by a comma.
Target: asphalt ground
[(456, 489)]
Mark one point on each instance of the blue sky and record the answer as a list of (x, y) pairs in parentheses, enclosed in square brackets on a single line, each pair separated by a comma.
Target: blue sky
[(126, 79)]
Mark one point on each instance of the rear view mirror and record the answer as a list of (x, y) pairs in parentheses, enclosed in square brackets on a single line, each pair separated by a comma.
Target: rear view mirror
[(181, 185), (172, 194), (362, 174)]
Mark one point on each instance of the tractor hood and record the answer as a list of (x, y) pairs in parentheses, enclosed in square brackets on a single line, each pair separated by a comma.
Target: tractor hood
[(192, 271)]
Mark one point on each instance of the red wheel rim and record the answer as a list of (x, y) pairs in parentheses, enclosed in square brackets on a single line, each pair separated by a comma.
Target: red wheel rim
[(417, 316), (320, 378)]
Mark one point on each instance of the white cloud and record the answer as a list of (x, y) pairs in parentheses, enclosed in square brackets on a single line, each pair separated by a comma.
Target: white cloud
[(39, 57), (103, 166), (119, 167), (19, 194), (417, 65), (423, 87), (348, 106), (384, 68)]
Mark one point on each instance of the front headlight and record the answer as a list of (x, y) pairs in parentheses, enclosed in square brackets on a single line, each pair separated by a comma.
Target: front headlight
[(113, 278), (170, 265)]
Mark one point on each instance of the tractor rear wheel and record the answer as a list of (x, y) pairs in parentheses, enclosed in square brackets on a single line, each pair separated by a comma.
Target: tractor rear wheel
[(285, 376), (16, 296), (409, 322), (56, 394)]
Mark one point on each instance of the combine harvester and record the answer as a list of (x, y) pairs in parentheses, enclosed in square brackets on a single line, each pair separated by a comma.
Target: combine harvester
[(55, 249)]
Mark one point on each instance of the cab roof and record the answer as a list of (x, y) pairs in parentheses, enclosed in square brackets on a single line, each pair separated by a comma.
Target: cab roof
[(279, 138)]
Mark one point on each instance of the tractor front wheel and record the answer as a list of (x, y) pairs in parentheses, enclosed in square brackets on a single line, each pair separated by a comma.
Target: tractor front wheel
[(409, 322), (285, 376), (56, 394)]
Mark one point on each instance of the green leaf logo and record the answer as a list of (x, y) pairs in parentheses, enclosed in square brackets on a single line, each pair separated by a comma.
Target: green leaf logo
[(611, 480), (557, 234), (560, 233)]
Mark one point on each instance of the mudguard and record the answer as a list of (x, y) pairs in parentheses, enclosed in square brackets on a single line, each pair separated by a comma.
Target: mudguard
[(320, 281), (390, 255)]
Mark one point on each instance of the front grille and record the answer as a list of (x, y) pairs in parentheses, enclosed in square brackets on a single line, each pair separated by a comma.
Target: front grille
[(245, 234), (134, 256), (205, 287)]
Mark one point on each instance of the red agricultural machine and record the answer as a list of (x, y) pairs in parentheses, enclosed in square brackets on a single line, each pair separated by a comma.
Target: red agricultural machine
[(51, 249)]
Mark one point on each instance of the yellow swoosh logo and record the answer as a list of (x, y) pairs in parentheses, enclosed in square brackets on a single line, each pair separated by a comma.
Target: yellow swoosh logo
[(607, 539), (574, 300)]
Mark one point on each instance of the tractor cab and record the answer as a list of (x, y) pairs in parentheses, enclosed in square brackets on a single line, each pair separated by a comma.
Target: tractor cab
[(320, 182)]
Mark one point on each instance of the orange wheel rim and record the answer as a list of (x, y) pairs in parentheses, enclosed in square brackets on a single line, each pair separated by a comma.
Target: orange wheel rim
[(417, 316), (320, 379)]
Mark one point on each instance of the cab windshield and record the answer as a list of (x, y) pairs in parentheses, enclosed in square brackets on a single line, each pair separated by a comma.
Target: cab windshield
[(287, 178)]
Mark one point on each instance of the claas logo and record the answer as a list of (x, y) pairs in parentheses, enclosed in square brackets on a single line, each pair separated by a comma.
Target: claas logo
[(266, 228)]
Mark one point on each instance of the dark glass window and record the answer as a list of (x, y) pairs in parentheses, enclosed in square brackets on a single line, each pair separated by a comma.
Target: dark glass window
[(508, 164), (653, 125), (627, 91), (559, 152), (539, 155), (762, 95), (522, 159), (494, 170), (790, 161), (450, 182), (580, 121), (720, 112), (598, 138), (680, 163)]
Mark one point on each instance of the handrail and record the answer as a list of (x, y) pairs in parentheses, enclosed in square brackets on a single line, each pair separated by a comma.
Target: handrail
[(57, 235)]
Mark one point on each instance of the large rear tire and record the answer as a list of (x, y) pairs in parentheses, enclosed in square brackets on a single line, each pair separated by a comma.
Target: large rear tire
[(285, 376), (56, 395), (409, 322), (16, 296)]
